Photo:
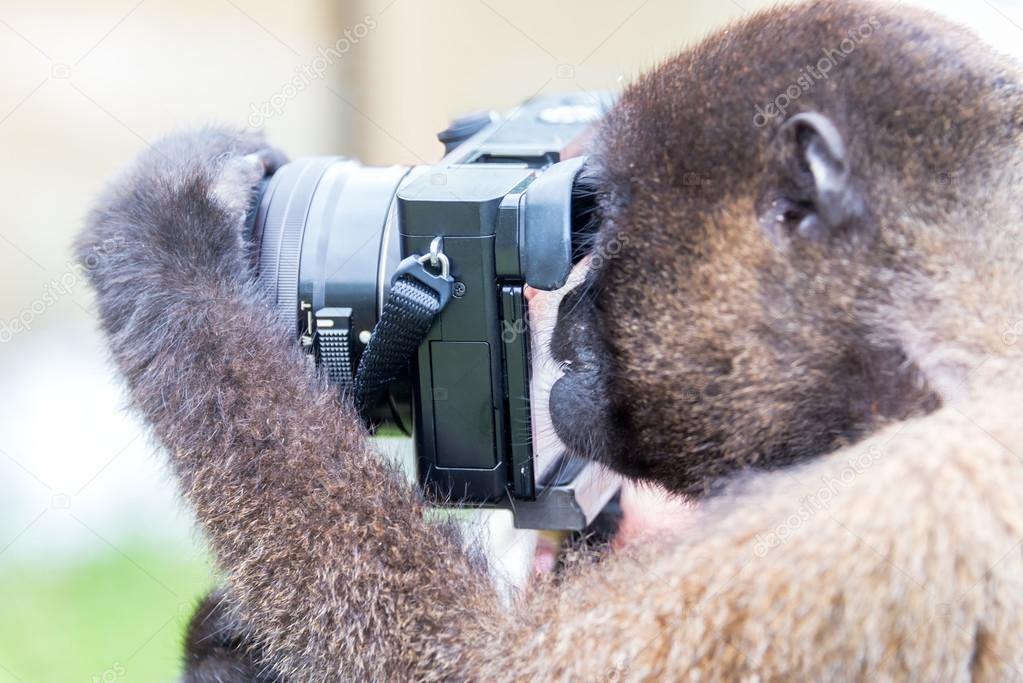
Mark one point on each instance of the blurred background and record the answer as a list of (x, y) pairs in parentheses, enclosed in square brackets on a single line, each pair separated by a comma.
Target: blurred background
[(99, 565)]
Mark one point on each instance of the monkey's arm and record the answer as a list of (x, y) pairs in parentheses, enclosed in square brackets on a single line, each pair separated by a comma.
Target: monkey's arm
[(908, 569), (328, 557), (896, 559)]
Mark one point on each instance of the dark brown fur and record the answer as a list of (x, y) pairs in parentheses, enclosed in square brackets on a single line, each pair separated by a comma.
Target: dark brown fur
[(219, 650), (708, 344)]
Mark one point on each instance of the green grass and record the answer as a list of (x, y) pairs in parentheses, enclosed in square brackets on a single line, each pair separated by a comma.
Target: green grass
[(118, 617)]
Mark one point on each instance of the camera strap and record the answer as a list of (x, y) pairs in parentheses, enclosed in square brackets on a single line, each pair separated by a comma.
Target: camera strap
[(417, 295)]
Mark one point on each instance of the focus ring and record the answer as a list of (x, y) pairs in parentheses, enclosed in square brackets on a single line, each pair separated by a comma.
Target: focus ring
[(284, 210)]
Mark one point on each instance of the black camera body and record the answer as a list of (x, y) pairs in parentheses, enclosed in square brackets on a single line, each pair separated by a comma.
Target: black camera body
[(495, 214)]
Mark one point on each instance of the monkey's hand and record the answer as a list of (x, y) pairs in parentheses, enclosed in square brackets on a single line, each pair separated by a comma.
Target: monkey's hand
[(173, 221), (324, 545)]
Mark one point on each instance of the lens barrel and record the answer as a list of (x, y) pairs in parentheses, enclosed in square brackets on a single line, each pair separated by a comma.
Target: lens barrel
[(327, 244)]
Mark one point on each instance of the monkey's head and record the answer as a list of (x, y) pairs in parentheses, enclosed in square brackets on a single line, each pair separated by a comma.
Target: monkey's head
[(782, 210)]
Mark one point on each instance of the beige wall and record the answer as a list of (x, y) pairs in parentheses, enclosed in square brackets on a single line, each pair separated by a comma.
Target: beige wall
[(86, 85), (429, 61)]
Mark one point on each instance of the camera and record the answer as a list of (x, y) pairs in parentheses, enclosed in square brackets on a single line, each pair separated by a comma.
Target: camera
[(406, 283)]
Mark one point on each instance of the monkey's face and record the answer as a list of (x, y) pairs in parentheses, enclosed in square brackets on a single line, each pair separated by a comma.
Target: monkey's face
[(726, 319)]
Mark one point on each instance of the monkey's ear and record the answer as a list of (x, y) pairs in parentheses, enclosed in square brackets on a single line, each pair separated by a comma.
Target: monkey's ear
[(808, 193)]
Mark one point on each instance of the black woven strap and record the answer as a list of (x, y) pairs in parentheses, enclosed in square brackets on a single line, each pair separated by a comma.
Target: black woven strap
[(403, 325)]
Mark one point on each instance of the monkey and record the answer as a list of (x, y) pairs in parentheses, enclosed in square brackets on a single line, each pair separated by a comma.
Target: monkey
[(803, 318)]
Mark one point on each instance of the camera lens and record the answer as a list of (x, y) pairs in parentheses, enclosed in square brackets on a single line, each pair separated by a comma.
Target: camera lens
[(327, 244)]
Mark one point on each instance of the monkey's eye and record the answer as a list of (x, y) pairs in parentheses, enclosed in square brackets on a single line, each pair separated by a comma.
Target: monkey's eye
[(787, 211)]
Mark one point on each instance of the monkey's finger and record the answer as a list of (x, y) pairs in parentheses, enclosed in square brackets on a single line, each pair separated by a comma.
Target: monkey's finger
[(271, 158)]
